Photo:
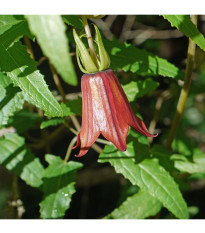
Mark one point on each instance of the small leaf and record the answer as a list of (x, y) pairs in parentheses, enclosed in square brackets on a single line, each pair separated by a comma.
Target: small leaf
[(72, 107), (50, 33), (185, 25), (139, 206), (148, 175), (192, 164), (11, 99), (17, 158), (73, 20), (136, 89), (52, 122), (129, 58), (58, 186)]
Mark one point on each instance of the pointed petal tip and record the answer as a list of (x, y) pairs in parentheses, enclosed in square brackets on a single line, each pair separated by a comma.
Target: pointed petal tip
[(82, 152), (122, 147), (150, 135)]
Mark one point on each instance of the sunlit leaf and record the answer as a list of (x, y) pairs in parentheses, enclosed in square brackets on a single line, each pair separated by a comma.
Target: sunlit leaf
[(139, 206), (50, 33), (22, 70), (58, 186), (130, 58), (184, 24), (148, 175), (11, 99), (191, 164), (136, 89), (7, 21), (17, 158)]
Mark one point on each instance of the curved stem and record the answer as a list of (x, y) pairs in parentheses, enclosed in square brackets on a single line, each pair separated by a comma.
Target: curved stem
[(73, 141), (90, 41), (185, 89)]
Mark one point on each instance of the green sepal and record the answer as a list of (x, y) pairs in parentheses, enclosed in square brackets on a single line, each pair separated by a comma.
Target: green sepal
[(104, 57), (83, 56)]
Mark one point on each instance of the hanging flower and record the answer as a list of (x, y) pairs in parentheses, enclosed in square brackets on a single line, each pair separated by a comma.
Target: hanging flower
[(106, 109)]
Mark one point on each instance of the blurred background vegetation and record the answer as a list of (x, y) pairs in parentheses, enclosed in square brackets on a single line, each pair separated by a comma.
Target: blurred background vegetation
[(98, 188)]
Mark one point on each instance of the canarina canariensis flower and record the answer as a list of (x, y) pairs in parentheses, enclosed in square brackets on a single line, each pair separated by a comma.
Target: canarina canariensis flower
[(106, 110)]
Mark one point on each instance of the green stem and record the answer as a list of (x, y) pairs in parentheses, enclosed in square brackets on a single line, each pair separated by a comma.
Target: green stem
[(185, 89), (90, 41), (73, 141)]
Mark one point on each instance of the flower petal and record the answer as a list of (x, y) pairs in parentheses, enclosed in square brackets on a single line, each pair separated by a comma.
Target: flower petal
[(89, 130), (112, 125)]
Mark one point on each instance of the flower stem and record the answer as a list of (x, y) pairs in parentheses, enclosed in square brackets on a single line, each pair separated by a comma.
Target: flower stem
[(185, 89), (90, 41), (57, 81), (73, 141)]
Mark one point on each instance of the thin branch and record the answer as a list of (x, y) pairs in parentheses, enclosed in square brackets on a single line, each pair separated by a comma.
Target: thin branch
[(57, 81), (73, 141), (29, 46), (185, 89), (164, 96)]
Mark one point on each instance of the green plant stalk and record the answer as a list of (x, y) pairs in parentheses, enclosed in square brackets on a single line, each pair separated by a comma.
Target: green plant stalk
[(185, 89), (73, 141), (90, 41)]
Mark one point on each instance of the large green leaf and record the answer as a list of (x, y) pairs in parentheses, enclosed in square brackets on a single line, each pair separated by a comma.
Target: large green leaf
[(136, 89), (58, 186), (129, 58), (184, 24), (7, 21), (50, 33), (17, 158), (139, 206), (148, 175), (11, 99), (22, 70)]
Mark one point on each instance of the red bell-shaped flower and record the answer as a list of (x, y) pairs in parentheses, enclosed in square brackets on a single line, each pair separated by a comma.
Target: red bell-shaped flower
[(106, 110)]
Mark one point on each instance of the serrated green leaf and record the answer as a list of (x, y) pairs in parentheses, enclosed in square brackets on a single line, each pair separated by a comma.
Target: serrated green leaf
[(192, 164), (7, 21), (22, 70), (136, 89), (58, 186), (129, 58), (14, 33), (148, 175), (72, 107), (52, 122), (17, 158), (185, 25), (50, 33), (11, 99), (73, 20), (139, 206)]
